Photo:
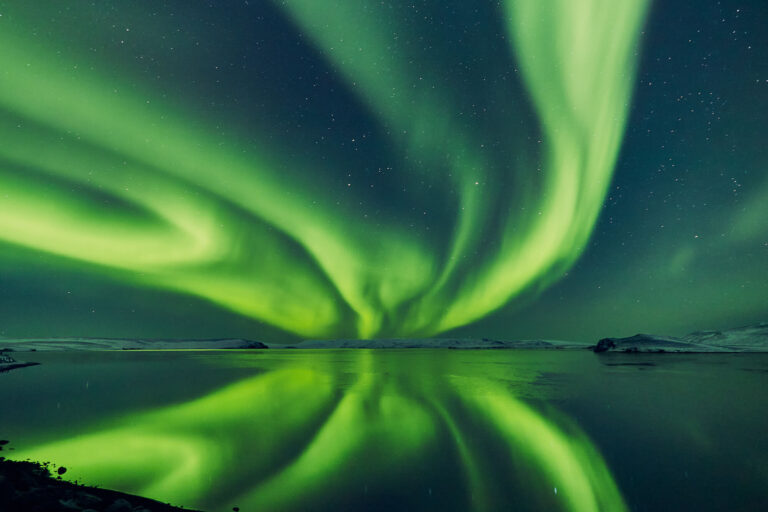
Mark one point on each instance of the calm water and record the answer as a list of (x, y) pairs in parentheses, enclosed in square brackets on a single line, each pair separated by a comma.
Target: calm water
[(391, 430)]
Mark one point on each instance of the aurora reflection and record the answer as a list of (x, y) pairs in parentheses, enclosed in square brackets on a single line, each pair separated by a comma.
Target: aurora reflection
[(333, 423)]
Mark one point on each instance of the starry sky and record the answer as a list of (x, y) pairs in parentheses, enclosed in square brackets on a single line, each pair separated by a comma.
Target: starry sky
[(280, 169)]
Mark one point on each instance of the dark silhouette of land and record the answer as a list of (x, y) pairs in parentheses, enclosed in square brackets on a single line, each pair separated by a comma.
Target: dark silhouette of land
[(30, 487)]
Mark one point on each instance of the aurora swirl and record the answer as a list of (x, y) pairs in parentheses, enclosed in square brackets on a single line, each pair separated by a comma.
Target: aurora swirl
[(105, 171)]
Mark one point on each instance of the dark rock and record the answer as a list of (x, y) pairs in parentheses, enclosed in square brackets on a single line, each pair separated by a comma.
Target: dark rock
[(61, 470), (255, 344), (70, 504), (605, 345), (89, 500), (120, 505), (29, 487), (6, 367), (647, 343)]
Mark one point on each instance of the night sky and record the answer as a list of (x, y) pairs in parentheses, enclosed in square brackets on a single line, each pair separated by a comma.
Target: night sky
[(300, 169)]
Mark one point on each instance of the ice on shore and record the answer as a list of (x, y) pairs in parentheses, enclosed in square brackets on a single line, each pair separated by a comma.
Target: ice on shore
[(753, 338)]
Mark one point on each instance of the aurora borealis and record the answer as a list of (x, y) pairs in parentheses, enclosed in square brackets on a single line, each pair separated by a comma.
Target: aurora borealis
[(360, 169), (282, 170)]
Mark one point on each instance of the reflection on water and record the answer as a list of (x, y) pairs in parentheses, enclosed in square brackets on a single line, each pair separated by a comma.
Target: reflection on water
[(347, 429)]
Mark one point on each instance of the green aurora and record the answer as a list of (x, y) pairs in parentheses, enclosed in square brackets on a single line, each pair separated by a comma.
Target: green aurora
[(108, 173), (349, 168)]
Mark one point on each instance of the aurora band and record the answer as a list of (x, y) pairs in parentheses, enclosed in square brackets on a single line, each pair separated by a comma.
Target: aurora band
[(157, 200)]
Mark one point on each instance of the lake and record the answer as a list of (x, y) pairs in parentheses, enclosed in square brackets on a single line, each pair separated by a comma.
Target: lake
[(400, 429)]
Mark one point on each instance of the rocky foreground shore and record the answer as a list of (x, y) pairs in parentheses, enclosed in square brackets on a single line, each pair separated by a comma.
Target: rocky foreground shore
[(30, 487)]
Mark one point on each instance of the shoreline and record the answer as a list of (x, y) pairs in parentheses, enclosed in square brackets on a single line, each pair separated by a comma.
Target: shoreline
[(27, 486), (749, 339), (6, 367)]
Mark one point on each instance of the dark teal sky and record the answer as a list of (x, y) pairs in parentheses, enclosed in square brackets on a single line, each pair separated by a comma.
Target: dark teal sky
[(680, 242)]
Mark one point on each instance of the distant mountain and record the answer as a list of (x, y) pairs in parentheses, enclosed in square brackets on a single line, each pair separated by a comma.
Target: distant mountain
[(744, 339), (57, 344), (452, 343), (753, 338)]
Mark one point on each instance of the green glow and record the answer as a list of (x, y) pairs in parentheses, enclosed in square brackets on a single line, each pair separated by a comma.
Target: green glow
[(301, 434), (568, 462), (114, 176), (170, 453), (578, 62)]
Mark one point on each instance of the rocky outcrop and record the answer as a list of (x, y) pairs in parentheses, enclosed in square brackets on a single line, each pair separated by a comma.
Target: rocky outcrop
[(744, 339), (247, 344), (605, 344), (7, 363), (30, 487)]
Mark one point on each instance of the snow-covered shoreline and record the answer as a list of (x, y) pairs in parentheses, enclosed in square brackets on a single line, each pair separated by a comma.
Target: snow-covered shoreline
[(743, 339), (753, 338), (67, 344)]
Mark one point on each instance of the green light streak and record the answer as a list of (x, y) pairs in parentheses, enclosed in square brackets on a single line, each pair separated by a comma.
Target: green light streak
[(111, 175), (578, 62), (297, 436), (171, 453), (568, 462)]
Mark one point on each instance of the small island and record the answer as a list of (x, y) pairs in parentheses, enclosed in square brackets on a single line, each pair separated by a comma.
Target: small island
[(7, 363)]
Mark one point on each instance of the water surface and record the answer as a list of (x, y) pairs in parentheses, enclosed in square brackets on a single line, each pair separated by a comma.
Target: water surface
[(401, 429)]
